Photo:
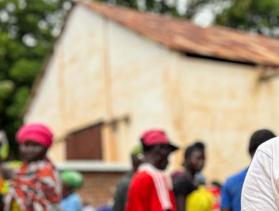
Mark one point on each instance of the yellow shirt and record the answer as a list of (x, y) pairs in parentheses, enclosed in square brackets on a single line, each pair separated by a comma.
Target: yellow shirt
[(200, 200)]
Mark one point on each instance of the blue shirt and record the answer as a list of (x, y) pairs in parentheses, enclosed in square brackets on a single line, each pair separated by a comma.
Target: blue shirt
[(231, 191), (71, 203), (105, 208)]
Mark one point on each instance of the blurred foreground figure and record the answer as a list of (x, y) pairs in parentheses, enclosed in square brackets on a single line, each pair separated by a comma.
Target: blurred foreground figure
[(4, 146), (71, 181), (261, 186), (231, 190), (150, 188), (4, 151), (35, 186), (120, 195)]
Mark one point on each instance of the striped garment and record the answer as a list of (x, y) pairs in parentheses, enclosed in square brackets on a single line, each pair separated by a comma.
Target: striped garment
[(150, 190), (36, 187)]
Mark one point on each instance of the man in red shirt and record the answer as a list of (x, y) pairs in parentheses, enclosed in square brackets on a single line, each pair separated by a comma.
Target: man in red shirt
[(150, 188)]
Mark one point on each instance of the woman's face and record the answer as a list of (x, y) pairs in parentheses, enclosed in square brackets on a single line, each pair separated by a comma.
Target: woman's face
[(31, 151), (196, 160)]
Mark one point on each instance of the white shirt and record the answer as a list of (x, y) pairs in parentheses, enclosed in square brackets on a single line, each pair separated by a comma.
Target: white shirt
[(261, 186)]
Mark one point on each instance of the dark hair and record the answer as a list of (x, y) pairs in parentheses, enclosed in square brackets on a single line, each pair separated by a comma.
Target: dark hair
[(195, 146), (216, 183), (259, 137), (146, 148)]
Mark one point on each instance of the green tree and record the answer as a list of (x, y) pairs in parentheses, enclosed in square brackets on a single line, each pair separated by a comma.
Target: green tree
[(192, 7), (27, 31), (260, 16)]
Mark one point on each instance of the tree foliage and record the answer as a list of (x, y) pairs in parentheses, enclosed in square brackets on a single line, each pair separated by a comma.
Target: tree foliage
[(259, 16), (174, 7), (27, 31)]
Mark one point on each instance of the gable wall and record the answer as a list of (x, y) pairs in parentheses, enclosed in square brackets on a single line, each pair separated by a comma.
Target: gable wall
[(102, 71)]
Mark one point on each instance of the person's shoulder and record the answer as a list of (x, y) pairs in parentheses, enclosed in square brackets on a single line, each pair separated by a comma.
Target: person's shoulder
[(141, 178), (269, 147), (183, 185), (125, 179), (183, 178), (269, 144), (124, 182), (75, 197), (46, 169), (141, 175), (236, 178), (176, 174)]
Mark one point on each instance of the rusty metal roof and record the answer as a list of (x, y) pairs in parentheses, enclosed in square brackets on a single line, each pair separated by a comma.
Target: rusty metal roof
[(213, 42)]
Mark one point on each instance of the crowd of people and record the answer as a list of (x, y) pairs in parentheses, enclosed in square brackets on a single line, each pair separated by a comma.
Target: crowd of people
[(149, 188), (34, 183)]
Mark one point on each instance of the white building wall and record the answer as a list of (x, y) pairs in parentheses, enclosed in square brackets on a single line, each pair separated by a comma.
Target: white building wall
[(101, 70)]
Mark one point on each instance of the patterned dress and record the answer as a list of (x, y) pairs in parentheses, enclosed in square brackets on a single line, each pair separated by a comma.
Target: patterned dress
[(35, 187)]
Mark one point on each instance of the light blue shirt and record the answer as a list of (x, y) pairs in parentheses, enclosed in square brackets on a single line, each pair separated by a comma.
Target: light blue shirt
[(71, 203)]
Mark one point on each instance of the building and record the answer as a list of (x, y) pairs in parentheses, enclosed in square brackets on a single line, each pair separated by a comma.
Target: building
[(115, 72)]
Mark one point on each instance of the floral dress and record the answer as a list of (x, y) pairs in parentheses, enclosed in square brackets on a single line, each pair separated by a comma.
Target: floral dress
[(36, 187)]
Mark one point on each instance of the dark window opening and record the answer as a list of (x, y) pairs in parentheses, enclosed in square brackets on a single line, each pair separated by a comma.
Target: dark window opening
[(85, 144)]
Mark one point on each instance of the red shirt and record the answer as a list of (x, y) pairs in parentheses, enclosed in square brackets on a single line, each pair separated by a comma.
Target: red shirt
[(149, 191)]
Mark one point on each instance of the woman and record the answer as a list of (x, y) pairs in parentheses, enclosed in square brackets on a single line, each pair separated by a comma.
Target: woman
[(187, 182), (35, 186)]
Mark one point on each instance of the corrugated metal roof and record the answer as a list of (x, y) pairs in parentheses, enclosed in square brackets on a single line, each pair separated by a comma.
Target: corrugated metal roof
[(180, 35)]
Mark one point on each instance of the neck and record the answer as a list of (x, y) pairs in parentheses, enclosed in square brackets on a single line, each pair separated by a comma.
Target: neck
[(149, 159), (190, 172)]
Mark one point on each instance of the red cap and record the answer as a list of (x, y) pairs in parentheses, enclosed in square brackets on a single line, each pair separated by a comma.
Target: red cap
[(155, 137)]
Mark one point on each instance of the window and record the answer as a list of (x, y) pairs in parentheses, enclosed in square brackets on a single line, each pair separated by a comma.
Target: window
[(85, 144)]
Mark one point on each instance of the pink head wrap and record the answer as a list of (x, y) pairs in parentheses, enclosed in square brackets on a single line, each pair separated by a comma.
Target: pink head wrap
[(38, 133)]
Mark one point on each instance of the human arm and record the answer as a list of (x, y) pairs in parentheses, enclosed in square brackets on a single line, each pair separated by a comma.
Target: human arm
[(180, 203), (182, 188), (120, 195)]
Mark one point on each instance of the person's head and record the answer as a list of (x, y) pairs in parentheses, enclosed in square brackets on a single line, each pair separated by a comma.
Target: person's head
[(71, 181), (257, 138), (157, 148), (34, 141), (136, 157), (194, 157)]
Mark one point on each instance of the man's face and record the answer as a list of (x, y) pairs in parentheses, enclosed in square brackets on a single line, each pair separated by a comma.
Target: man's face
[(31, 151), (196, 160), (161, 156)]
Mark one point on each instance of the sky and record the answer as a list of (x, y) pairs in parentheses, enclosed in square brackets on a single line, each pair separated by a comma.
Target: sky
[(206, 16)]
